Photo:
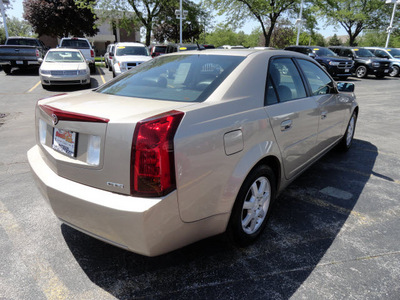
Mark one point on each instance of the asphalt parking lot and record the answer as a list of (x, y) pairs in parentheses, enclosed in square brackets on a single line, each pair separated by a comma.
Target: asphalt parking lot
[(334, 233)]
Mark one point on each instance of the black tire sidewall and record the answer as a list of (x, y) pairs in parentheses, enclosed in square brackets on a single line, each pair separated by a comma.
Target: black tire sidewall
[(235, 230)]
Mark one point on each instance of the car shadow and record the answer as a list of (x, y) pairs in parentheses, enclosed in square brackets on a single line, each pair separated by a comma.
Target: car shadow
[(306, 220), (24, 72)]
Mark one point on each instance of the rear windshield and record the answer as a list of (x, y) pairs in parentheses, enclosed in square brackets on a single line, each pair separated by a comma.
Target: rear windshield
[(186, 78), (160, 49), (80, 44), (131, 50), (64, 56), (22, 42)]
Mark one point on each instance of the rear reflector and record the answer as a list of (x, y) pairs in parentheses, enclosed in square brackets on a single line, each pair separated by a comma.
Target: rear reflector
[(152, 161), (61, 115)]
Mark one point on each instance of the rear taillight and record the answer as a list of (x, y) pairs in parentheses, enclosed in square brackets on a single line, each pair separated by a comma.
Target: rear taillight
[(91, 53), (152, 161), (37, 53)]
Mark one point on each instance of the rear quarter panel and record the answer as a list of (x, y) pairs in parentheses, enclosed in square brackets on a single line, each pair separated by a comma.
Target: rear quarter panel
[(209, 176)]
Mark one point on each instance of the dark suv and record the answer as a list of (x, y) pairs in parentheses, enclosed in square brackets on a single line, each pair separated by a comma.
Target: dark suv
[(336, 66), (365, 62)]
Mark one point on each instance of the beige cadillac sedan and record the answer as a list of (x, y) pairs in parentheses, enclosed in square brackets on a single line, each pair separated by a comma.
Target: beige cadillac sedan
[(187, 145)]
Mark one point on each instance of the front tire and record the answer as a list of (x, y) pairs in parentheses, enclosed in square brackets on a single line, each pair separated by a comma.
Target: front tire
[(252, 207), (347, 139), (361, 72)]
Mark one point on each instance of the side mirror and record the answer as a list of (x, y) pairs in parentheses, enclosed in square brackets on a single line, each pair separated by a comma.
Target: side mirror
[(312, 55), (345, 87), (40, 60)]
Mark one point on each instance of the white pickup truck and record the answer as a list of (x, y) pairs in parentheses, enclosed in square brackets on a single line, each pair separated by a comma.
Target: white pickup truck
[(84, 46)]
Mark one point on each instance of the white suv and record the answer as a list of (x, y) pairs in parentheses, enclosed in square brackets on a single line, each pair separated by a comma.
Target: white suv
[(127, 56)]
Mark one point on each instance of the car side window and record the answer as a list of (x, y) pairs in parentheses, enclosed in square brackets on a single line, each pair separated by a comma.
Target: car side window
[(381, 54), (318, 80), (285, 80)]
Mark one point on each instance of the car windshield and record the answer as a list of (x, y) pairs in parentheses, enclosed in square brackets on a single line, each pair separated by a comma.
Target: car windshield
[(81, 44), (395, 52), (64, 56), (324, 52), (131, 50), (186, 78), (363, 53)]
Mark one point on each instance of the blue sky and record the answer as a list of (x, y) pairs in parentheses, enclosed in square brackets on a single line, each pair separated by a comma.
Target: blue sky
[(17, 11)]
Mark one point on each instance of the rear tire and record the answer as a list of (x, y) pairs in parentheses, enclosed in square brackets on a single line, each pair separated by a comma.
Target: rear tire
[(92, 69), (252, 207), (395, 72), (347, 139)]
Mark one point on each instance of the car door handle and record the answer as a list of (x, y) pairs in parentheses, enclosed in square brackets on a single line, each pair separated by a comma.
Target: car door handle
[(286, 125), (324, 115)]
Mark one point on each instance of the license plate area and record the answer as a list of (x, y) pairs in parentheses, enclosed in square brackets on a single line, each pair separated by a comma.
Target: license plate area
[(65, 141), (347, 70), (386, 70), (19, 62)]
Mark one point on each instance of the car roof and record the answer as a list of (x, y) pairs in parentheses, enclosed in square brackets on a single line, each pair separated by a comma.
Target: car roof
[(130, 44), (64, 49), (242, 52)]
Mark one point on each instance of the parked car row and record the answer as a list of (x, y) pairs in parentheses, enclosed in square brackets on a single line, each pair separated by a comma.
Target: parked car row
[(340, 61)]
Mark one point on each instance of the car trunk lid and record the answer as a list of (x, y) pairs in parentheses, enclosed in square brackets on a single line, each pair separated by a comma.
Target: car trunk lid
[(87, 136)]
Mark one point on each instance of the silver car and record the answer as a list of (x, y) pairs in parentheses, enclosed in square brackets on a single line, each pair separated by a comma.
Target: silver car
[(63, 66), (188, 145)]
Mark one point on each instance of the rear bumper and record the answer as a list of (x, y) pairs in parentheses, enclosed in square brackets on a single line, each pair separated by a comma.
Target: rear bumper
[(146, 226)]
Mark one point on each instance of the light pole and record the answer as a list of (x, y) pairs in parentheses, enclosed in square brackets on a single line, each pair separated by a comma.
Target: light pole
[(181, 15), (2, 2), (298, 23), (390, 28)]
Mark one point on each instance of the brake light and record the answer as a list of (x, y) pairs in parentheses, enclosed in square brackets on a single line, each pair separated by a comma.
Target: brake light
[(62, 115), (152, 157), (91, 52), (37, 53)]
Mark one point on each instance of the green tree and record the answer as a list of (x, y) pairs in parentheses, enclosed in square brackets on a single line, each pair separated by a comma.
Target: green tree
[(146, 11), (334, 41), (60, 18), (266, 12), (355, 15), (166, 25)]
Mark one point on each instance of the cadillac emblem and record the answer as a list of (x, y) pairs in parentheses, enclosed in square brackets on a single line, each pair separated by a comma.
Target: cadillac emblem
[(54, 119)]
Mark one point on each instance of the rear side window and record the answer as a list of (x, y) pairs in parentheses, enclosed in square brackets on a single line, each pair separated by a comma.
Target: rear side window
[(186, 78), (319, 82), (286, 81)]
